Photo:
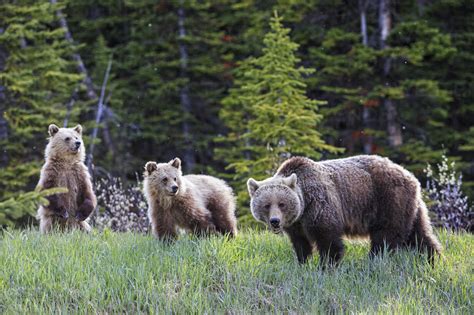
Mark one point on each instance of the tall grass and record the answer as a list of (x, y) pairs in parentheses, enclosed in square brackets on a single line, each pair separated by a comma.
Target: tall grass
[(255, 272)]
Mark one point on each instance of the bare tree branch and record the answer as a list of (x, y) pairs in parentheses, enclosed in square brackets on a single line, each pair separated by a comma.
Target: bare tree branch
[(98, 117), (81, 68)]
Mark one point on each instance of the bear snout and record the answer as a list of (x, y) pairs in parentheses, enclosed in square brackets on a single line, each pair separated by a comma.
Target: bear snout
[(275, 222), (77, 144), (174, 189)]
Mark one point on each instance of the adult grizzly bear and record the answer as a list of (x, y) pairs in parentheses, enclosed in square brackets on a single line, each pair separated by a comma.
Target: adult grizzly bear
[(65, 167), (316, 203), (197, 203)]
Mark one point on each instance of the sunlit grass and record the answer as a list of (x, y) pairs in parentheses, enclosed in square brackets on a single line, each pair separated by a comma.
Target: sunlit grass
[(255, 272)]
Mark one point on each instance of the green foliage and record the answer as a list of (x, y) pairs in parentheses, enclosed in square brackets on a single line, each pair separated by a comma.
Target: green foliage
[(253, 273), (252, 103), (15, 208)]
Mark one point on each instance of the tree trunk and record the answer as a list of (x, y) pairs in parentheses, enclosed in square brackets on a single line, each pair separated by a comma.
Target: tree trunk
[(366, 112), (81, 68), (188, 158), (98, 117), (421, 6), (69, 107), (363, 21), (394, 131), (3, 100)]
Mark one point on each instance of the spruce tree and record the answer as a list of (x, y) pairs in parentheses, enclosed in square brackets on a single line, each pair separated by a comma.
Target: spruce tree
[(276, 120), (456, 17)]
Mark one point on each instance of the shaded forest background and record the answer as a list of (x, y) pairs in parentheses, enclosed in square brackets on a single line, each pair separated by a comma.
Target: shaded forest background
[(196, 79)]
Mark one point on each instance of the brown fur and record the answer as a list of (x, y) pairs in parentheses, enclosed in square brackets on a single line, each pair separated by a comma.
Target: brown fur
[(65, 167), (319, 202), (201, 204)]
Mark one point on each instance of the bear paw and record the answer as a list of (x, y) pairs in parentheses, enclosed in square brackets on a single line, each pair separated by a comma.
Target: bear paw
[(85, 210)]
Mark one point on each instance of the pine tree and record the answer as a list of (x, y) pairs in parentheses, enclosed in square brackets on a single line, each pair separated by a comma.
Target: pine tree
[(456, 17), (276, 119)]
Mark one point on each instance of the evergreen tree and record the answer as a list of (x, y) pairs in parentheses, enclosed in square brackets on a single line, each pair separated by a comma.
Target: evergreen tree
[(276, 119), (456, 17)]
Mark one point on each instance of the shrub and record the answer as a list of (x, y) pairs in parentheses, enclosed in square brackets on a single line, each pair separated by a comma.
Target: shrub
[(448, 202), (120, 209)]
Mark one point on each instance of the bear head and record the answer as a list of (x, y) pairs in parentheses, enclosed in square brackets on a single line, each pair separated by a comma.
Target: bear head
[(65, 143), (165, 178), (275, 201)]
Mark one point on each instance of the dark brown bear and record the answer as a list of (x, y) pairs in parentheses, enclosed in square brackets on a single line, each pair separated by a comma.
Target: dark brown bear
[(317, 203)]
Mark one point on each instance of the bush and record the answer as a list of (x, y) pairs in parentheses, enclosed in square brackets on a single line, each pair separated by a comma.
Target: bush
[(120, 209), (448, 201)]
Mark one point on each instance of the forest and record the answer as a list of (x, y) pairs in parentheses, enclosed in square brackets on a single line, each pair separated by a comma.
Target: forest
[(235, 87)]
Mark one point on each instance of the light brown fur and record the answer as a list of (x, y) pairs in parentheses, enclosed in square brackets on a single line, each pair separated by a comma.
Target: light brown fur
[(198, 203), (64, 167), (316, 203)]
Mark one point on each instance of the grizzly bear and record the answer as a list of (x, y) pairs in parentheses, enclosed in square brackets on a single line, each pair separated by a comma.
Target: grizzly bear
[(316, 203), (196, 203), (65, 167)]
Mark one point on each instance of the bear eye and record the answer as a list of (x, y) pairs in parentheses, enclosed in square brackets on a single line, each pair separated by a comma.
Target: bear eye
[(164, 180), (175, 179), (281, 205), (68, 138), (267, 207)]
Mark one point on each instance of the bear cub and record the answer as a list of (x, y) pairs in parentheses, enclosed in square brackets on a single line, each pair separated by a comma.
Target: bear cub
[(64, 167), (199, 204), (316, 203)]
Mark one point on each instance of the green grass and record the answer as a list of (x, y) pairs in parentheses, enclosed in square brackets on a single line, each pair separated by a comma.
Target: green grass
[(256, 272)]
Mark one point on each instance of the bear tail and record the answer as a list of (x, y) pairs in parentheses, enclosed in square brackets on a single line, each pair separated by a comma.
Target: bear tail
[(422, 236)]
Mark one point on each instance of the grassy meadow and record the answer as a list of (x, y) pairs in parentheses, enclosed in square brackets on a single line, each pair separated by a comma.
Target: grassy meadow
[(255, 272)]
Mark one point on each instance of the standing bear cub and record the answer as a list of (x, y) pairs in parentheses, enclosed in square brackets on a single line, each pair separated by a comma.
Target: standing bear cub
[(65, 167), (197, 203), (316, 203)]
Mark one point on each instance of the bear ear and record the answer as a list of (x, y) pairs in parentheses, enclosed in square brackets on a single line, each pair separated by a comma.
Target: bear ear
[(252, 186), (150, 167), (290, 181), (53, 129), (176, 162), (78, 129)]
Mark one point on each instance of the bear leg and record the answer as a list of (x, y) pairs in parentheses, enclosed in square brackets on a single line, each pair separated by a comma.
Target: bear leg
[(225, 224), (85, 226), (301, 244), (223, 215), (164, 233), (46, 224), (422, 237), (389, 238), (330, 247)]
